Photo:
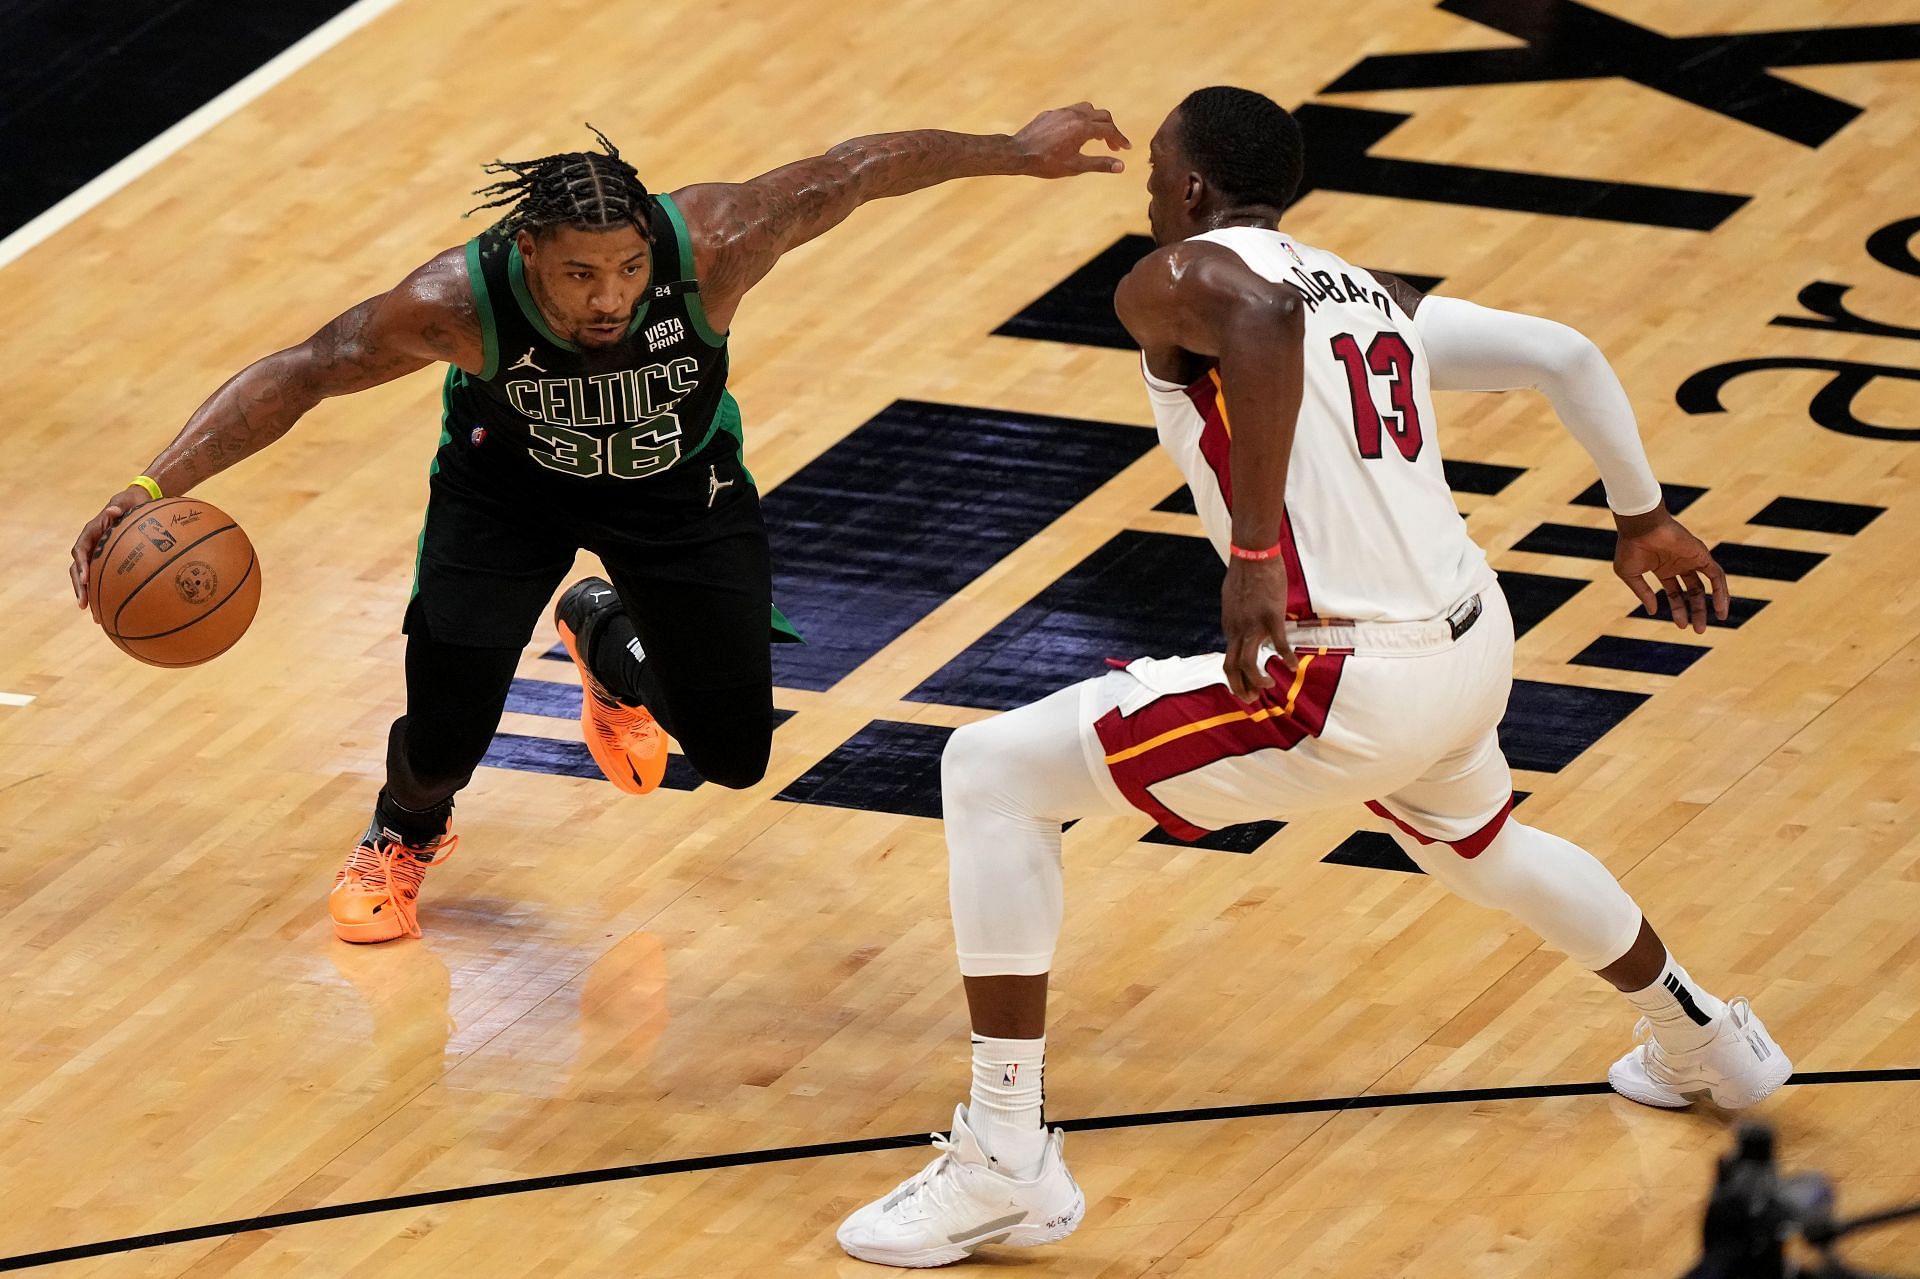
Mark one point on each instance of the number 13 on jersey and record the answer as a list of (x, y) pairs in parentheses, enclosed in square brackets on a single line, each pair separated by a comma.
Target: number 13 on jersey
[(1387, 356)]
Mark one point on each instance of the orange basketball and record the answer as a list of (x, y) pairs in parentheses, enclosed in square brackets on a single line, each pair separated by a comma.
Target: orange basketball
[(176, 583)]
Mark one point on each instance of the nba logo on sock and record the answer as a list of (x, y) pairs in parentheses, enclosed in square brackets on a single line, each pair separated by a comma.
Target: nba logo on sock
[(1010, 1074)]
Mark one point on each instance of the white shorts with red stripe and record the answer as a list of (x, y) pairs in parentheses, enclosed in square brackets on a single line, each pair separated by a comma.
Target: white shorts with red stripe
[(1400, 717)]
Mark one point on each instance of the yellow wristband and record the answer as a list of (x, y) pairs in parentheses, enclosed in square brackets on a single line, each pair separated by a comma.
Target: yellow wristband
[(146, 482)]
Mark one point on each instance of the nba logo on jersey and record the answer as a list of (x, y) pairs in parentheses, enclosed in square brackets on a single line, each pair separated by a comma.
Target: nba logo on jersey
[(478, 437)]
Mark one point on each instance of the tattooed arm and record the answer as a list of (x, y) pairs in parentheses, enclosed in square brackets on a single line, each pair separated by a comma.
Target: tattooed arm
[(429, 316), (739, 230)]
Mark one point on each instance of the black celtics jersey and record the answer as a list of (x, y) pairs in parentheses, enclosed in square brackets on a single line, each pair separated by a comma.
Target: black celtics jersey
[(602, 416)]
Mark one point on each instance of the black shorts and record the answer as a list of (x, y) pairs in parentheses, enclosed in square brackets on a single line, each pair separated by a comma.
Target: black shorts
[(687, 551)]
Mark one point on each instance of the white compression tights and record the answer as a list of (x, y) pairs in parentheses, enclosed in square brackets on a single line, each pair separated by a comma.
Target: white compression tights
[(1008, 782), (1556, 888)]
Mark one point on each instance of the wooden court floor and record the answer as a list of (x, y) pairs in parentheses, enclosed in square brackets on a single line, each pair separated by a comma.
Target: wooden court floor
[(608, 982)]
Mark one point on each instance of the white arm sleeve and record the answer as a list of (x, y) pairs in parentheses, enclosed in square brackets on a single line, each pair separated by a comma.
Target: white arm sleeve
[(1475, 348)]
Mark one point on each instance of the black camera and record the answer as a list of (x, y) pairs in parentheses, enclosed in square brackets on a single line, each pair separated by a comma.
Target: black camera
[(1755, 1214)]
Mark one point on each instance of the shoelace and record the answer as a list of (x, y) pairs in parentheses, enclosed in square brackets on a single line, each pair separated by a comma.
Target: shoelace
[(934, 1184), (393, 868), (1653, 1061), (1739, 1012)]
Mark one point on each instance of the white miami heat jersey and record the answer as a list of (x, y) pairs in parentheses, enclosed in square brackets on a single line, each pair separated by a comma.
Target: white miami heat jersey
[(1370, 531)]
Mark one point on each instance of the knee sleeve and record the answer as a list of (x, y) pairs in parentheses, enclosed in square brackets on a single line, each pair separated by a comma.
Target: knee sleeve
[(1556, 888), (1006, 785), (1004, 881)]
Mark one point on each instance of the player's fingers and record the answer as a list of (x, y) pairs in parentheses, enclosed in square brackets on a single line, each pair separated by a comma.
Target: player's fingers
[(1253, 675), (83, 553), (1277, 636), (1258, 676), (1273, 631), (1676, 601), (92, 541), (1107, 129), (1644, 593), (1696, 602), (1241, 668), (101, 526), (1722, 601), (1097, 164)]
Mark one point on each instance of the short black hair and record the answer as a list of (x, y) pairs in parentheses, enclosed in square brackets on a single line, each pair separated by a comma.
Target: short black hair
[(1246, 145), (586, 190)]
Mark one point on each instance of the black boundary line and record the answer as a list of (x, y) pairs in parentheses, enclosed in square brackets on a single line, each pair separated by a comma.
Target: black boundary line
[(866, 1145)]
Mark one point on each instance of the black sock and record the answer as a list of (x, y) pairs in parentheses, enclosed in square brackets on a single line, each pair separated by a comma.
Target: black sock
[(415, 827), (613, 659)]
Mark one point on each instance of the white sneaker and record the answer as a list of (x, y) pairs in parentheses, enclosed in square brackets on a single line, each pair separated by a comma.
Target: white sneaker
[(958, 1202), (1739, 1066)]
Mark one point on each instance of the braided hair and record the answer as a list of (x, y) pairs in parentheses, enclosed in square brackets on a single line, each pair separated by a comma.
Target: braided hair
[(585, 190), (1246, 145)]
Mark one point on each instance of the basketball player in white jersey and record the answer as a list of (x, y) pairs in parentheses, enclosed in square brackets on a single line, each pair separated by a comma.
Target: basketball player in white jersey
[(1368, 658)]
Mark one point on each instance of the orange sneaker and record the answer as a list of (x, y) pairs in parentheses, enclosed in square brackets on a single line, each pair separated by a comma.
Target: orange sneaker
[(375, 896), (625, 740)]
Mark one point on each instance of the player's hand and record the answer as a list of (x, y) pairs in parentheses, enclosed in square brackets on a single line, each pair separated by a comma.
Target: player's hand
[(1657, 543), (1053, 142), (1253, 612), (87, 545)]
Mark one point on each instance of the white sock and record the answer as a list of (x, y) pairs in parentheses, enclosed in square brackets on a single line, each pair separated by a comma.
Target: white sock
[(1005, 1107), (1683, 1013)]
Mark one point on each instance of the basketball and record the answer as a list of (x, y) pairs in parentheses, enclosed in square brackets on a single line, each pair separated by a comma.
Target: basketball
[(176, 583)]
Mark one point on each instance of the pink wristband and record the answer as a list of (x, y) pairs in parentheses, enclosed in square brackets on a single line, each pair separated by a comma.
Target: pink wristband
[(1241, 553)]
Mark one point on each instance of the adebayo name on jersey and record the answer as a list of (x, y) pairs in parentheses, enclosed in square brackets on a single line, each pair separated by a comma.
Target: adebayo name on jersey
[(1320, 286)]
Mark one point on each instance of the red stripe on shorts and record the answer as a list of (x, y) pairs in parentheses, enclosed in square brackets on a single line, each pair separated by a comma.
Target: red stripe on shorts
[(1180, 732), (1470, 847)]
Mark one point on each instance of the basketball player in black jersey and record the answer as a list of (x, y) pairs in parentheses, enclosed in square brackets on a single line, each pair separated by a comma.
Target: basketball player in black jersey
[(585, 338)]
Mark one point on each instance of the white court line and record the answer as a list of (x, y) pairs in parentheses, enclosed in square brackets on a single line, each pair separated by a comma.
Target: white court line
[(16, 699), (288, 61)]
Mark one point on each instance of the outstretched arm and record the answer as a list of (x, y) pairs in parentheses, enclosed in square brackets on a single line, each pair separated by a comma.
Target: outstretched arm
[(1202, 299), (1476, 348), (739, 230), (429, 316)]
